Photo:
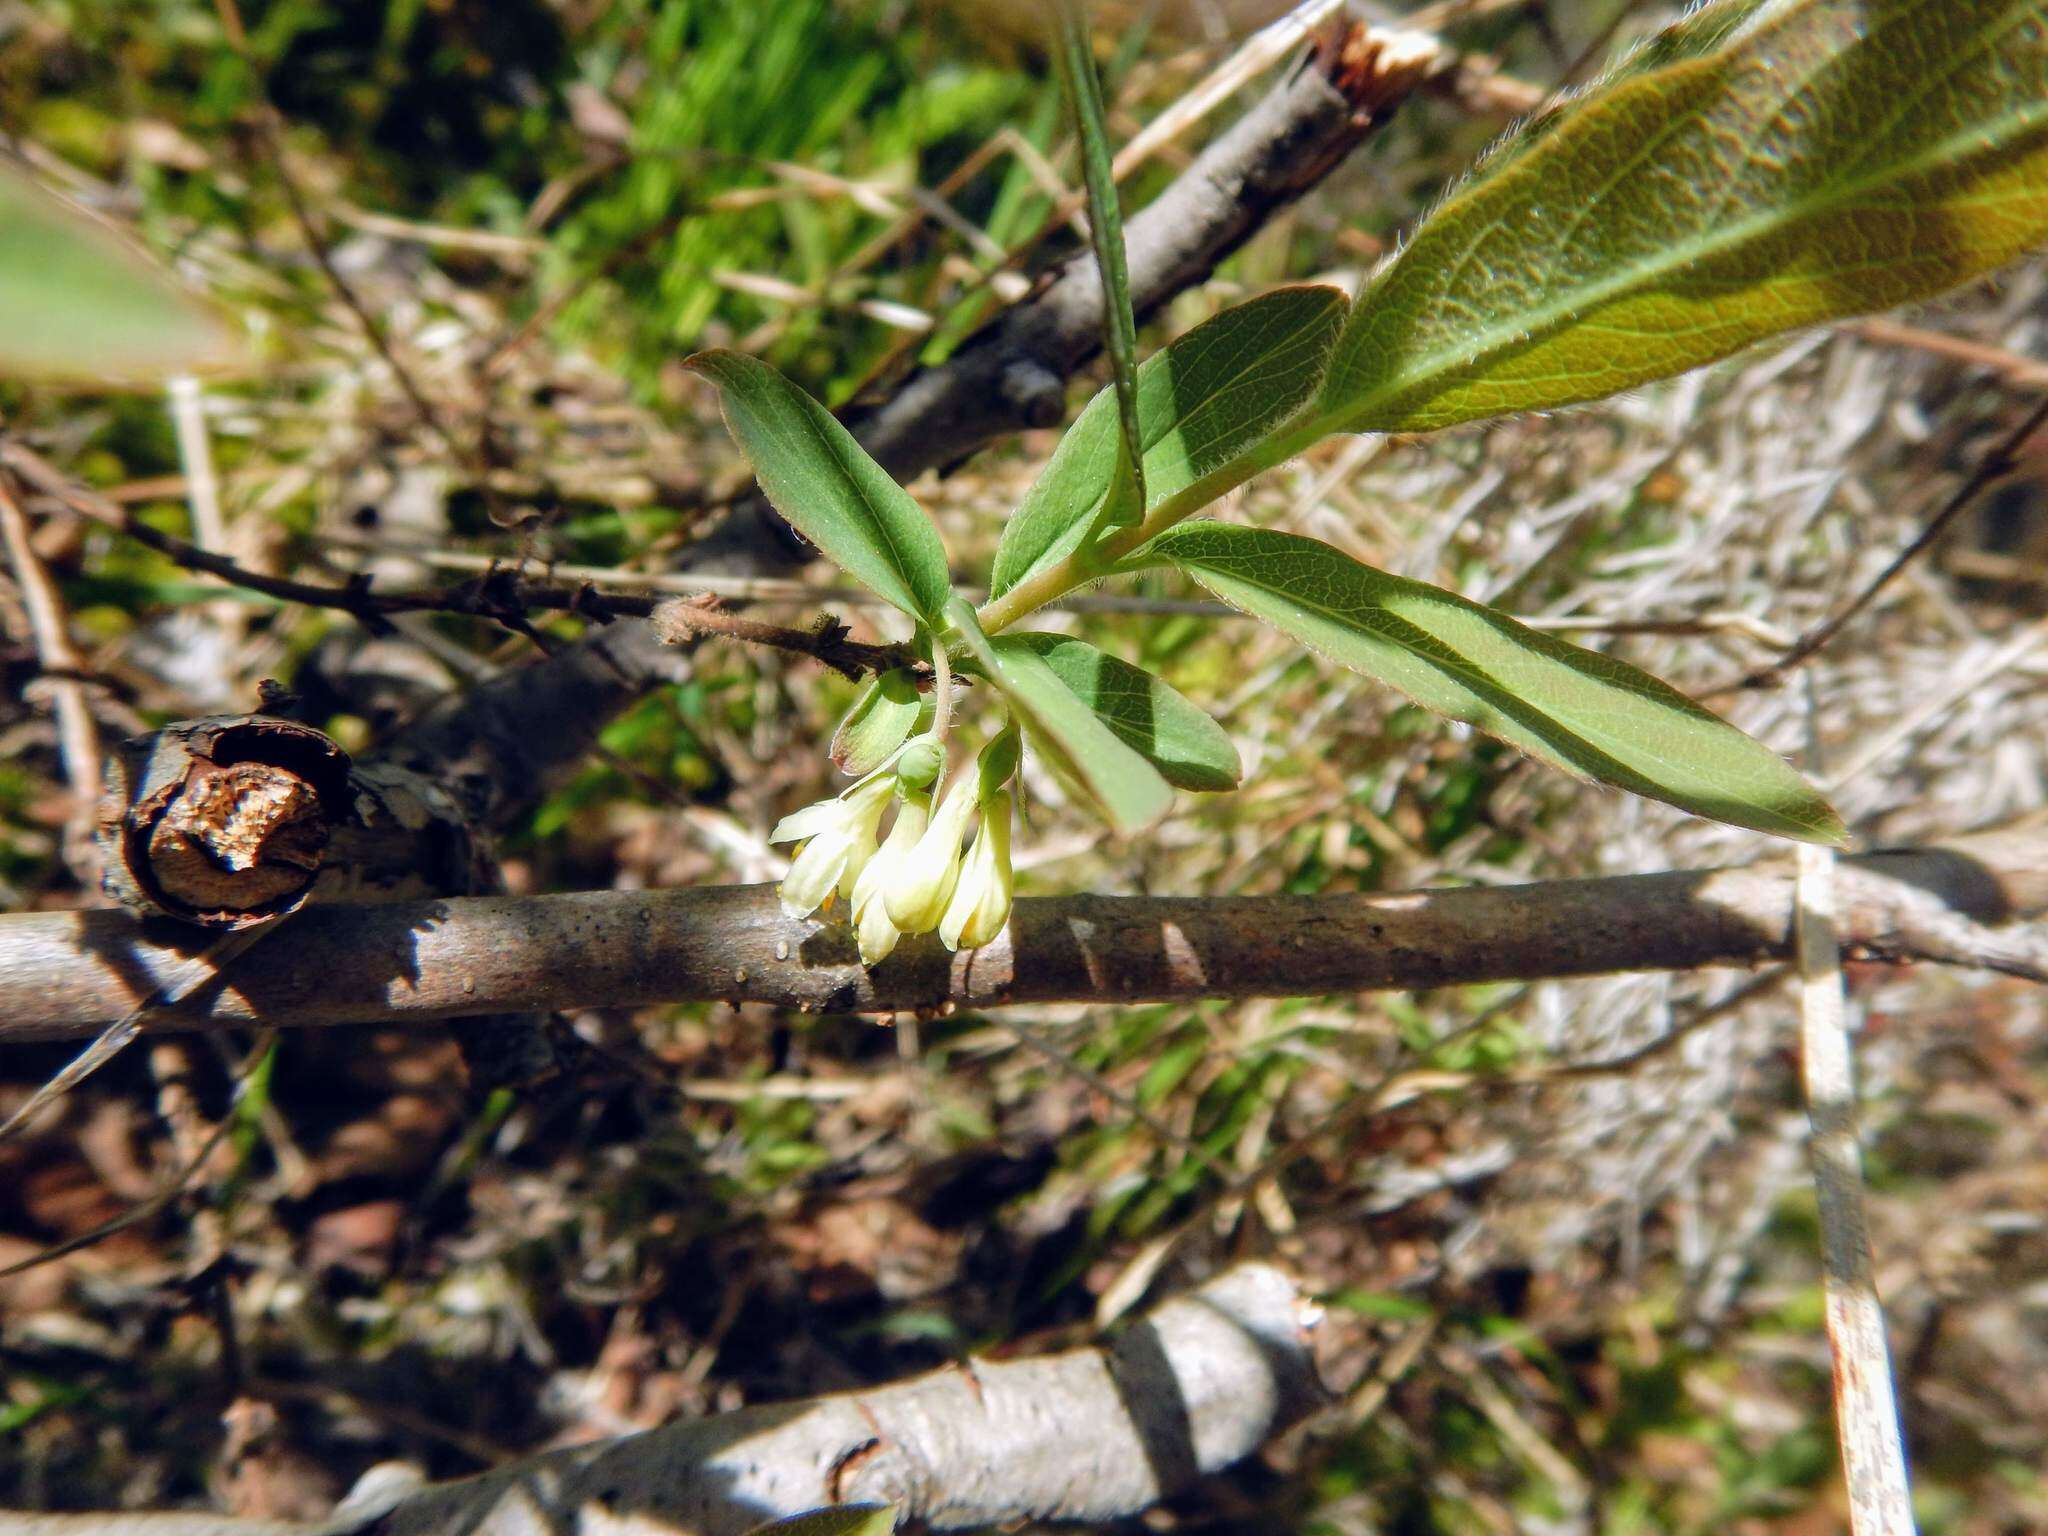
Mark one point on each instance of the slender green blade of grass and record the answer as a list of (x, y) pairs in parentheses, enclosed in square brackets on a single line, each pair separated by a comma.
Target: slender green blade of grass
[(1076, 57)]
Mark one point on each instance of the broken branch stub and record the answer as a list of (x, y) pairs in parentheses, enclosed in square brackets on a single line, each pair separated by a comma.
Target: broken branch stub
[(223, 821)]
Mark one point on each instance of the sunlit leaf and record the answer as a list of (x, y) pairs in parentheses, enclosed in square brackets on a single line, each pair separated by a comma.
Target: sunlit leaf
[(828, 488), (1090, 758), (77, 303), (1190, 750), (1577, 709), (1772, 165), (1202, 400)]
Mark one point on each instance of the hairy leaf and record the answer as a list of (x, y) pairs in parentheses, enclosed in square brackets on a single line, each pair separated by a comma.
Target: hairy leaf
[(1584, 712), (1202, 400), (828, 488), (77, 304), (1767, 166), (1190, 750), (1089, 757)]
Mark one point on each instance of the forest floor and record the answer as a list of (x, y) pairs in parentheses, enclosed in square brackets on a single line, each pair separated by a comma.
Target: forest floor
[(1557, 1300)]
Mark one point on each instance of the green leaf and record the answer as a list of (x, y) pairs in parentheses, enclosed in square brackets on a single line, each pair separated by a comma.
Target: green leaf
[(1076, 57), (78, 304), (880, 721), (1087, 755), (1202, 400), (1586, 713), (1768, 166), (840, 1520), (828, 488), (1190, 750)]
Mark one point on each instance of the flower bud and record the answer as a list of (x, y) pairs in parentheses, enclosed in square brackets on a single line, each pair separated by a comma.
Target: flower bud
[(918, 891), (920, 762), (981, 900), (997, 764)]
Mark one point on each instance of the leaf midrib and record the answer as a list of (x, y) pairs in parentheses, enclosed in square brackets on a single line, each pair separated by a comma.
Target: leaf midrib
[(1528, 325), (1475, 680)]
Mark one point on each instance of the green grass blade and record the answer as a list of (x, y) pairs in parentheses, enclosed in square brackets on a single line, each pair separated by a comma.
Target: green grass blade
[(1576, 709), (828, 488), (1076, 57), (1771, 166)]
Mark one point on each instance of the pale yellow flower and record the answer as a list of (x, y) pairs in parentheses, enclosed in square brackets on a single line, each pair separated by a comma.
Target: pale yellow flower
[(838, 838), (981, 900)]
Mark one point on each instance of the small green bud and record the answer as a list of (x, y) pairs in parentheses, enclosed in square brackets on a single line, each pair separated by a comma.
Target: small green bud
[(920, 762)]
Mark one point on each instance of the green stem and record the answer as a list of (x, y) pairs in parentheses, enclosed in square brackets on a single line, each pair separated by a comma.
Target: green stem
[(1092, 562)]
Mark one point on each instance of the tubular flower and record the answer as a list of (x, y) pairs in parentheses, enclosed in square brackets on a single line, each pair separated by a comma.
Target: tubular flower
[(919, 888), (871, 925), (838, 838), (981, 901)]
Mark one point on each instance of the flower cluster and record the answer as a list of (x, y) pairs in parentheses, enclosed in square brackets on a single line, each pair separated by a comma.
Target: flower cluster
[(917, 879)]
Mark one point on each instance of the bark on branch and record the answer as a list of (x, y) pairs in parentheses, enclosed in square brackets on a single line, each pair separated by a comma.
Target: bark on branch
[(1093, 1434), (66, 974)]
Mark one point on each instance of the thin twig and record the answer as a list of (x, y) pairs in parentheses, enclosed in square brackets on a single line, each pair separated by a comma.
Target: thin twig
[(499, 593), (1095, 1082), (682, 620), (2001, 461), (2010, 367)]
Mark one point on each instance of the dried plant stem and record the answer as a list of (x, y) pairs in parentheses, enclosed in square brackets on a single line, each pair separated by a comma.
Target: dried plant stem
[(78, 737), (1866, 1404)]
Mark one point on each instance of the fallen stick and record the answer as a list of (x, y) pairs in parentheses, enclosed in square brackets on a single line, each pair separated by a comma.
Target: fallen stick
[(66, 974), (1089, 1435)]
